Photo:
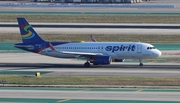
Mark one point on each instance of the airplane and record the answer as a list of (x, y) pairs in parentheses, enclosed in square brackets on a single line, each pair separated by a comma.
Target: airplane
[(97, 53)]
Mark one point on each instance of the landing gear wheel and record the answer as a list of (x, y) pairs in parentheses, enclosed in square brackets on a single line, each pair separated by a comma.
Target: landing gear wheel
[(141, 64), (87, 64), (140, 61)]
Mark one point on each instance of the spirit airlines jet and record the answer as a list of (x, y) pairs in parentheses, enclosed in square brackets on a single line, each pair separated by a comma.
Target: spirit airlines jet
[(97, 53)]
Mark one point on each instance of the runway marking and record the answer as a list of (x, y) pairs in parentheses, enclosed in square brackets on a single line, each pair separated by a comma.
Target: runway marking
[(64, 100), (139, 91)]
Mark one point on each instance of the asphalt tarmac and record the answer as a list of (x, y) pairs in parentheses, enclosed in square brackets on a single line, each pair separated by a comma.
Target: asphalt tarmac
[(28, 62), (95, 31), (97, 25)]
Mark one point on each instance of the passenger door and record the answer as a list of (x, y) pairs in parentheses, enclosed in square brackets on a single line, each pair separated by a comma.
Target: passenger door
[(139, 48)]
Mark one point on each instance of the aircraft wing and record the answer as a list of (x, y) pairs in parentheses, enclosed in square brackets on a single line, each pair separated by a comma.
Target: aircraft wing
[(74, 53)]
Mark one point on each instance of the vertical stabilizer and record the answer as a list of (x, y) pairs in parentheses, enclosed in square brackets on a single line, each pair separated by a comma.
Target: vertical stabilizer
[(28, 34)]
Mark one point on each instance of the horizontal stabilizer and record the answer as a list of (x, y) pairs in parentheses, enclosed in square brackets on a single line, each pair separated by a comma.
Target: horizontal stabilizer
[(24, 46)]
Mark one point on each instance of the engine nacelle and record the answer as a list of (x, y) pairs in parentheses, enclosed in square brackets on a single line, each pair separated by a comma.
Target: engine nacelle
[(118, 60), (102, 60)]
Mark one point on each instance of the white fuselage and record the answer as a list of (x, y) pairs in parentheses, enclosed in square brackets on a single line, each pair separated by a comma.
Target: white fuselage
[(117, 50)]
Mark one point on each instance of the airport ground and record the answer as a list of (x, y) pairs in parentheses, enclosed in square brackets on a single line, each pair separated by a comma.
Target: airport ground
[(82, 95), (29, 63), (94, 15), (152, 83), (26, 64)]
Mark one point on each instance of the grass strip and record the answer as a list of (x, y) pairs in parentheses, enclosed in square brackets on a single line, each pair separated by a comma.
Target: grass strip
[(15, 37), (88, 80), (93, 18)]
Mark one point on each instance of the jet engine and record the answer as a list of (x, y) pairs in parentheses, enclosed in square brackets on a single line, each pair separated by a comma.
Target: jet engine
[(102, 60)]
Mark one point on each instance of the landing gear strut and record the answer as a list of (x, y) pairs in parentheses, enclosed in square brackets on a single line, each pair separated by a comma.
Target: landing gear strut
[(140, 64), (87, 64)]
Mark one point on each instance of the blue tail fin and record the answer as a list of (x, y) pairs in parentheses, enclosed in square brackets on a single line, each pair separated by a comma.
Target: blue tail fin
[(27, 32)]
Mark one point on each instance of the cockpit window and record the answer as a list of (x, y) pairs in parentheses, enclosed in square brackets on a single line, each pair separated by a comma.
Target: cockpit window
[(151, 48)]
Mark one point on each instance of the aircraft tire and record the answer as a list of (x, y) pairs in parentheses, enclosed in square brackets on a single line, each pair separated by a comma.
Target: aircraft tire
[(87, 64), (141, 64)]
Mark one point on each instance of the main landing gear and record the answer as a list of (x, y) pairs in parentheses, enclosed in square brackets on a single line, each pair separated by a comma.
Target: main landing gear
[(140, 64), (87, 64)]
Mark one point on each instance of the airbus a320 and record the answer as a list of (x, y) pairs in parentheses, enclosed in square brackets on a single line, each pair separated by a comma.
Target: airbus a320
[(97, 53)]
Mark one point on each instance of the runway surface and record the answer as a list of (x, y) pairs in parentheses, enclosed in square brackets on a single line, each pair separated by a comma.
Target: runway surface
[(88, 95), (28, 62), (97, 25), (95, 31)]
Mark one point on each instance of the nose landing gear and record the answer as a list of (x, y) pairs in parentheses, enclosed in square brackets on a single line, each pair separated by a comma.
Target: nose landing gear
[(140, 64)]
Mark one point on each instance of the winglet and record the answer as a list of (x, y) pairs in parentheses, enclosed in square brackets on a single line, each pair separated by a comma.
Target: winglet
[(93, 39)]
